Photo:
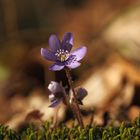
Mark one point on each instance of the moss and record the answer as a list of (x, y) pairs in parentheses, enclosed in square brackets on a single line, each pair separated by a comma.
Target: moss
[(126, 131)]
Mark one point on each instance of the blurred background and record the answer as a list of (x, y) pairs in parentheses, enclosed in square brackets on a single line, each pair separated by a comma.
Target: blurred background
[(110, 71)]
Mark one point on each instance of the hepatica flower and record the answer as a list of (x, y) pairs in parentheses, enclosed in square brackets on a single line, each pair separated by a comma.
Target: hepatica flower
[(81, 93), (60, 52), (56, 96)]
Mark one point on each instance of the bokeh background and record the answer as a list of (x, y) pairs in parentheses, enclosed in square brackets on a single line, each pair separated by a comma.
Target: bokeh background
[(110, 71)]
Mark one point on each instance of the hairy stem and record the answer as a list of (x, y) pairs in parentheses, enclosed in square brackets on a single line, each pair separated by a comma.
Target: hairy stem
[(74, 102), (67, 99)]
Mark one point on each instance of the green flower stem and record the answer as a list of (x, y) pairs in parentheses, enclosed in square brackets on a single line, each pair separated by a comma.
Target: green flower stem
[(74, 103)]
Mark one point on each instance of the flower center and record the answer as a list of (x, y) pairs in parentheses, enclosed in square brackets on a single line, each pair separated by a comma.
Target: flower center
[(62, 55)]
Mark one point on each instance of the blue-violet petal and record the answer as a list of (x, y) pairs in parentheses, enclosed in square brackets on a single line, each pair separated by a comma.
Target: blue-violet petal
[(55, 103), (54, 43), (73, 65), (48, 55), (67, 41), (79, 53), (56, 67)]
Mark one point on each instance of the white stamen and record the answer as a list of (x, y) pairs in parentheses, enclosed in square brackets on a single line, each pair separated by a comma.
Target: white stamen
[(62, 54)]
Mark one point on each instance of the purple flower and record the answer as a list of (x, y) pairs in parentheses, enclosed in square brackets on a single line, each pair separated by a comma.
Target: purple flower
[(60, 53), (56, 96), (81, 93)]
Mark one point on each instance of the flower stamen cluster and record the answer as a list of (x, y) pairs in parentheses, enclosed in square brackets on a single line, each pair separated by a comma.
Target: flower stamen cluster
[(62, 55)]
